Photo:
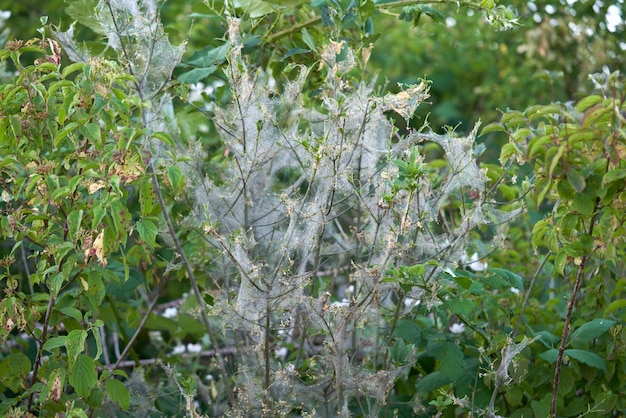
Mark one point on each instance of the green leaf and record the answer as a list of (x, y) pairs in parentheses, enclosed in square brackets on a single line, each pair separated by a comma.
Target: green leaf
[(165, 137), (147, 231), (550, 356), (92, 132), (401, 352), (592, 330), (451, 360), (82, 11), (83, 376), (75, 344), (64, 132), (76, 66), (613, 175), (587, 357), (513, 119), (492, 127), (308, 39), (72, 312), (463, 307), (432, 381), (254, 8), (583, 204), (541, 408), (295, 51), (615, 305), (54, 342), (576, 179), (559, 262), (586, 102), (176, 178), (408, 331), (74, 219), (118, 393), (197, 74), (147, 198), (504, 278), (13, 371)]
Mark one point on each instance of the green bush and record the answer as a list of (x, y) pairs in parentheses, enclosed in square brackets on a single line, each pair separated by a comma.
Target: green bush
[(284, 244)]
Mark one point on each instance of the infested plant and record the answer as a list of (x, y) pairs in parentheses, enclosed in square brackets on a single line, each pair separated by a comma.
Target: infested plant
[(288, 240)]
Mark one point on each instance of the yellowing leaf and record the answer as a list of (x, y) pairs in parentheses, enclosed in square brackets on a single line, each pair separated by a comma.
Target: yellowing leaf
[(98, 248), (95, 186)]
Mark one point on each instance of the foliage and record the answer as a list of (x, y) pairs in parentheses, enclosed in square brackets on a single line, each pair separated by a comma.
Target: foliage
[(289, 241), (577, 155), (71, 154)]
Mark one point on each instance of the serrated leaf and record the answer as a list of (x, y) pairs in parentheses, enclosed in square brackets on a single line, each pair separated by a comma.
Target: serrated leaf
[(432, 381), (462, 307), (408, 331), (83, 376), (592, 330), (587, 357), (505, 278), (451, 360), (118, 393), (147, 231)]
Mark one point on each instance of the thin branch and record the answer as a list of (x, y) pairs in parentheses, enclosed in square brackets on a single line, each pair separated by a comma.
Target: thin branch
[(528, 292), (385, 6)]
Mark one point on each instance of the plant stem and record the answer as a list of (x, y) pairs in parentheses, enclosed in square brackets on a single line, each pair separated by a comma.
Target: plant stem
[(192, 281), (142, 323), (568, 317), (385, 6), (527, 297), (41, 341)]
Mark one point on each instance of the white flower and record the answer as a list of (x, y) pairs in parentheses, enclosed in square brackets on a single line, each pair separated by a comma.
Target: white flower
[(155, 336), (515, 290), (350, 290), (281, 353), (194, 348), (410, 302), (170, 312), (457, 328), (343, 304), (474, 263), (179, 349)]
